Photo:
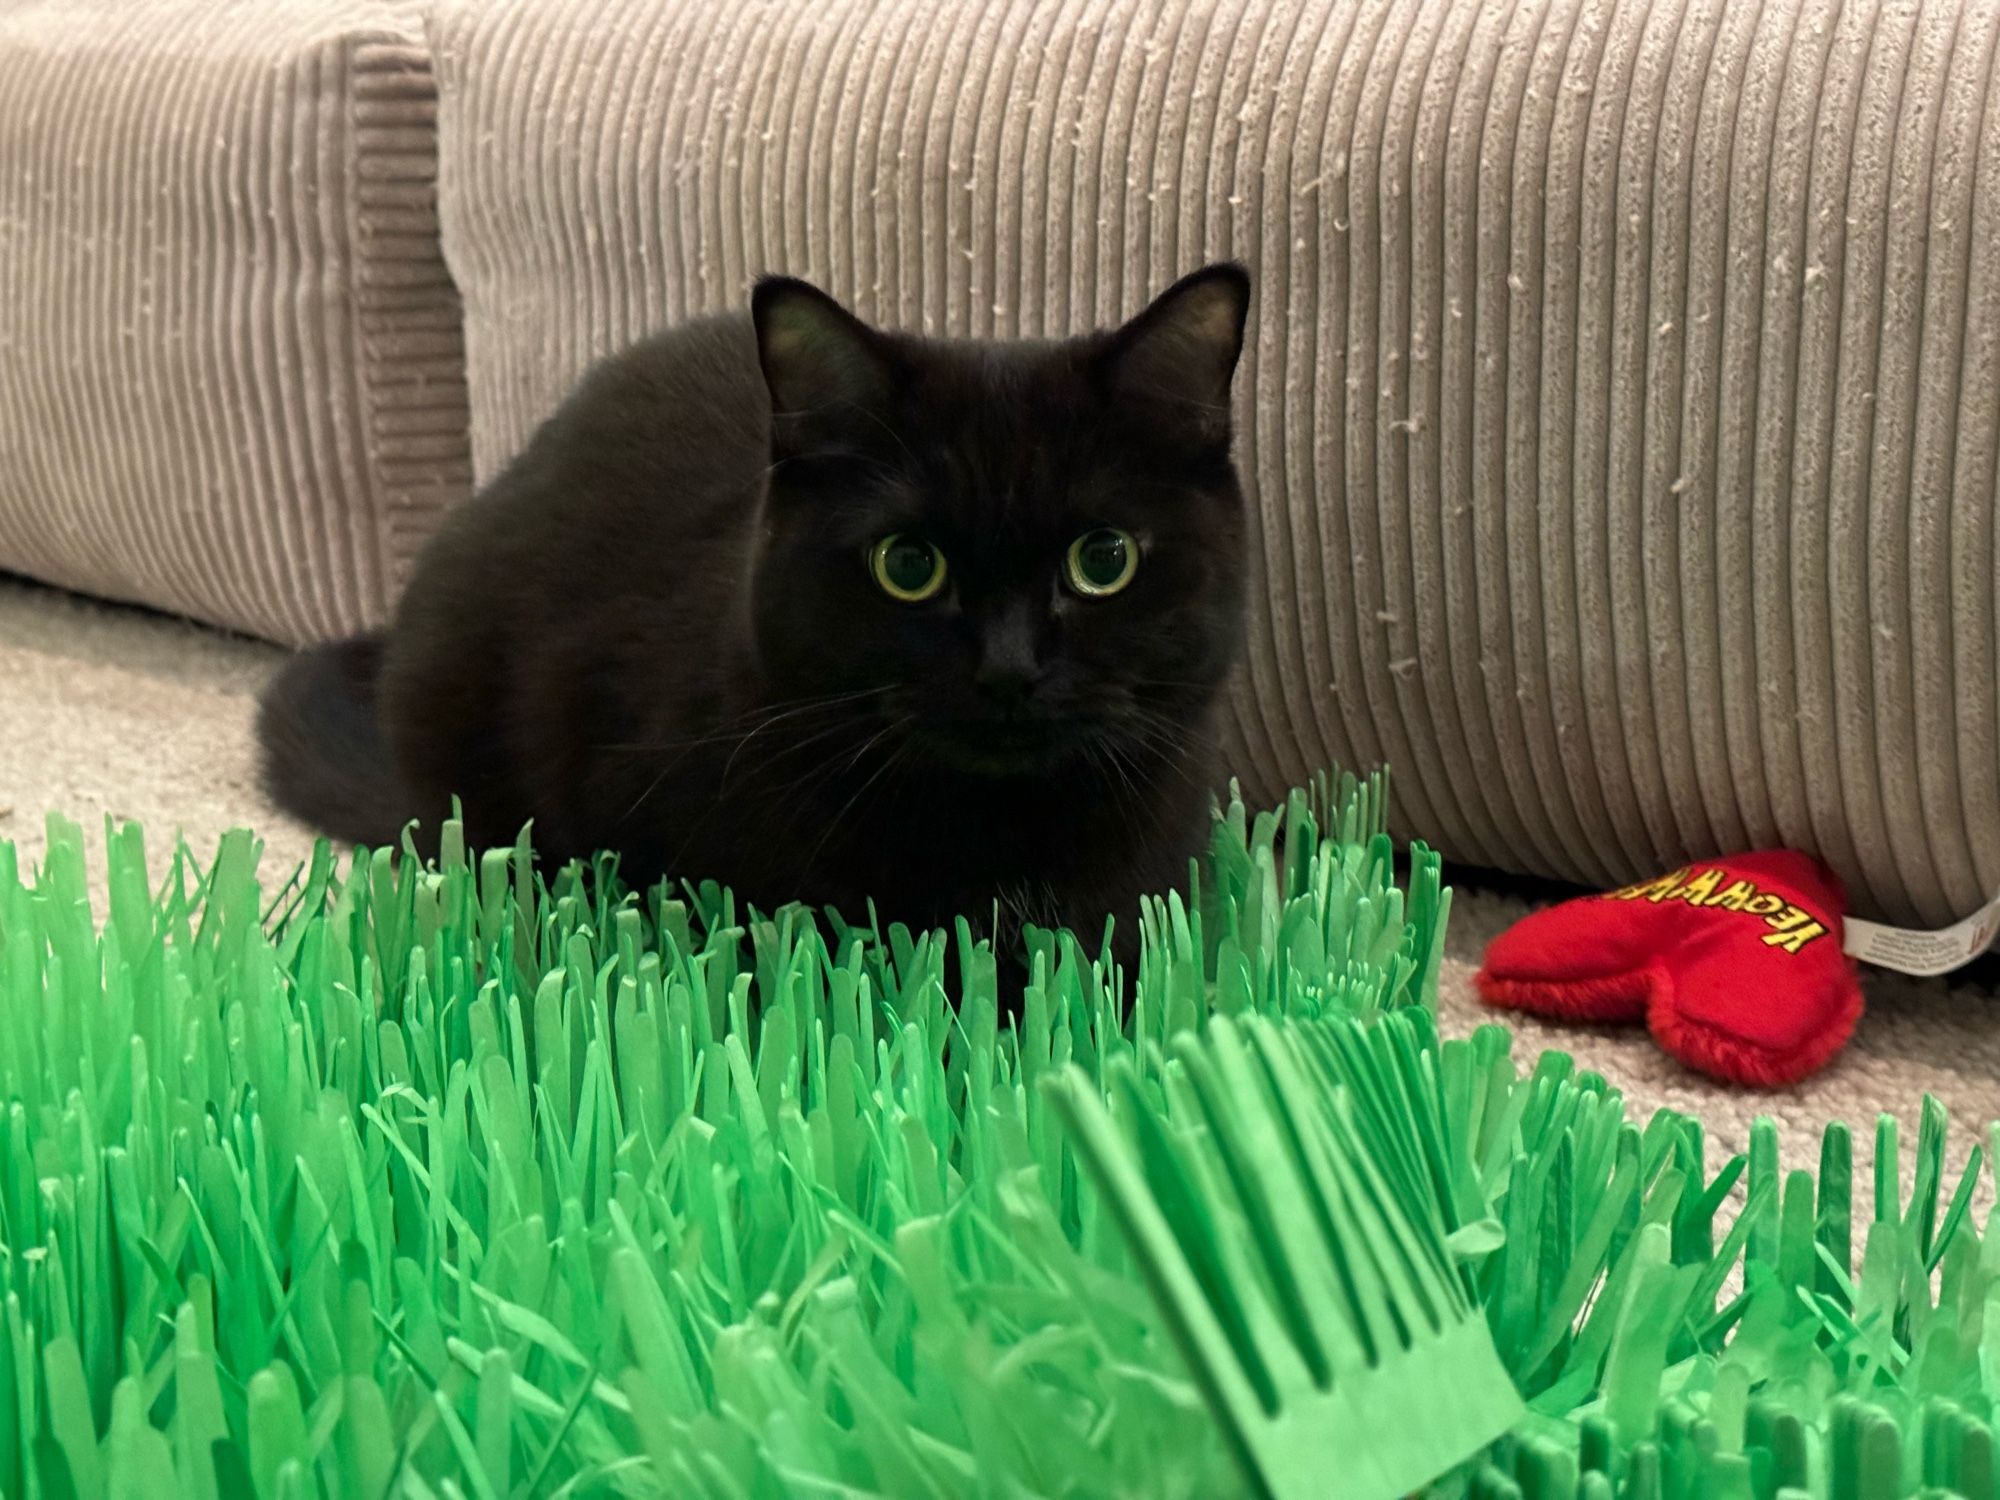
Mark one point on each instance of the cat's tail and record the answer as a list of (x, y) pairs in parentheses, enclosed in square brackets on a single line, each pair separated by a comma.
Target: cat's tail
[(326, 759)]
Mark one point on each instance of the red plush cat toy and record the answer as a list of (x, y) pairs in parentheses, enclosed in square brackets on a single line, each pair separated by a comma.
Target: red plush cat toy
[(1736, 965)]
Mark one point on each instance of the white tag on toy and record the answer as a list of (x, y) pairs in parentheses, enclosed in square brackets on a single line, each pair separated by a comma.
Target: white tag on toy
[(1924, 953)]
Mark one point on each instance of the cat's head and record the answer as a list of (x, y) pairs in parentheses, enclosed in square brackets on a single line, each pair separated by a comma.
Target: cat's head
[(1014, 555)]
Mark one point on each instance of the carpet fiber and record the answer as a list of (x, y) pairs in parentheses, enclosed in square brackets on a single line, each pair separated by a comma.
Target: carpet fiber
[(112, 711)]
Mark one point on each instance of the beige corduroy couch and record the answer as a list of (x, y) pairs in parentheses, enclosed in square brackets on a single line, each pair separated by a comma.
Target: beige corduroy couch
[(1621, 413)]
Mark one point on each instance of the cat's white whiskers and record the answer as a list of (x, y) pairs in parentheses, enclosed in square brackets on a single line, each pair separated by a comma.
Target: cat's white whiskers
[(689, 746), (777, 719), (893, 757), (733, 729)]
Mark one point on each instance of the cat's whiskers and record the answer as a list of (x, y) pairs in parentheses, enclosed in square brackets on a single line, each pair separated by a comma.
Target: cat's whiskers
[(747, 723), (775, 754), (827, 765), (893, 758), (1166, 740), (720, 802), (688, 747), (1140, 684), (781, 718), (1105, 757)]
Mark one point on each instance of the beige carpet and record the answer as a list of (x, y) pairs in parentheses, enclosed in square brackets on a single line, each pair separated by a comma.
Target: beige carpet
[(113, 711)]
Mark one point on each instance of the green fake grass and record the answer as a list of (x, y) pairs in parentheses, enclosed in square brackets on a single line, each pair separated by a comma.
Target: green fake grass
[(394, 1182)]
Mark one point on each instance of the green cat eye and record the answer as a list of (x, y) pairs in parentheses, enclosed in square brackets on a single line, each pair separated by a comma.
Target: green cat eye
[(1102, 561), (907, 569)]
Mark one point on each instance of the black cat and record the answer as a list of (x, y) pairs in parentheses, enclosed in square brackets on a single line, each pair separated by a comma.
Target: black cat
[(826, 613)]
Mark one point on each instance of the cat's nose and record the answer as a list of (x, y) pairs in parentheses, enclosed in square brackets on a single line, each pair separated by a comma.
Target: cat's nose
[(1009, 662)]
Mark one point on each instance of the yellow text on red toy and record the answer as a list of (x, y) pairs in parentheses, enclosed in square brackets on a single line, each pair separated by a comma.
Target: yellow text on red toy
[(1792, 927)]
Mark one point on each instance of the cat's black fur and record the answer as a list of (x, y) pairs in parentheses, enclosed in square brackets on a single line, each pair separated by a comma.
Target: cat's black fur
[(657, 631)]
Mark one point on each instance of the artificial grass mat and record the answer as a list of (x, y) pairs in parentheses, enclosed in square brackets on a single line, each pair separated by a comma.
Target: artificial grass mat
[(450, 1182)]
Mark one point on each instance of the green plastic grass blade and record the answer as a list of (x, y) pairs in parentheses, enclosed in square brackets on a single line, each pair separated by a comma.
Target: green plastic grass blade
[(392, 1181), (1313, 1311)]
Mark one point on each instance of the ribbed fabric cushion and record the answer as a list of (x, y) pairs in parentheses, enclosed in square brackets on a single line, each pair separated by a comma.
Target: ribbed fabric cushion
[(1620, 416), (231, 368)]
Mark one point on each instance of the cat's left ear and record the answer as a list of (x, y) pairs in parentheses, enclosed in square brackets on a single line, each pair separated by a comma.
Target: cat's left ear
[(1180, 354), (824, 366)]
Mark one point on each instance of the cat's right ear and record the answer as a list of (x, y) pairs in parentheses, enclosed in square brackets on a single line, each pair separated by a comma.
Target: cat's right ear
[(1177, 358), (824, 366)]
